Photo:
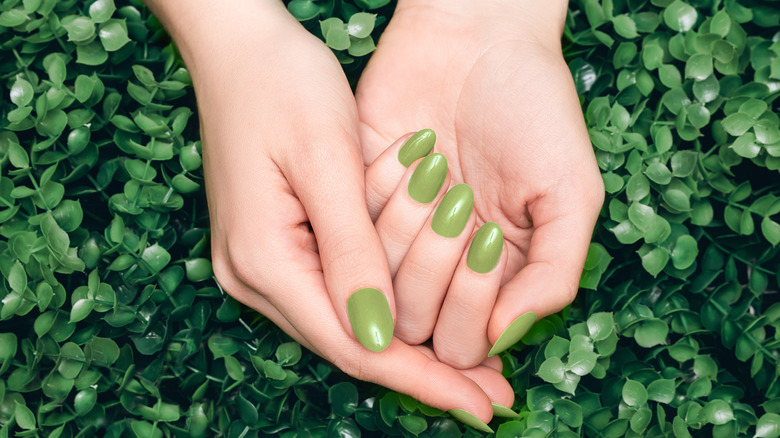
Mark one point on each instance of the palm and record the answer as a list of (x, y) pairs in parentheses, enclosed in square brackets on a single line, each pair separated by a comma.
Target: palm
[(505, 113)]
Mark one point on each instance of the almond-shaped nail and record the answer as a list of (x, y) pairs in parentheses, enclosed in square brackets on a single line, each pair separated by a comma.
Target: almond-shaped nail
[(503, 411), (417, 146), (485, 249), (470, 420), (370, 317), (452, 214), (427, 179), (512, 334)]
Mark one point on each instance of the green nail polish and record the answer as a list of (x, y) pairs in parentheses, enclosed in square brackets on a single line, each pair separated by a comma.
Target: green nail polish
[(370, 317), (470, 420), (485, 249), (419, 145), (428, 177), (453, 211), (516, 330), (503, 411)]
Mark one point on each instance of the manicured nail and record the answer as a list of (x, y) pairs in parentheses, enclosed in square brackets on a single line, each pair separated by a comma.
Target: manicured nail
[(453, 212), (370, 317), (428, 177), (516, 330), (418, 146), (485, 249), (470, 420), (503, 411)]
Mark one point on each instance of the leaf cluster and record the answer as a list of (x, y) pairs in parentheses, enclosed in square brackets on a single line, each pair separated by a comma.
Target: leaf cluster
[(111, 322)]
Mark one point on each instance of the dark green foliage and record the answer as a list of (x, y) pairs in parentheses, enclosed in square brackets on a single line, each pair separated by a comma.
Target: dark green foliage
[(111, 323)]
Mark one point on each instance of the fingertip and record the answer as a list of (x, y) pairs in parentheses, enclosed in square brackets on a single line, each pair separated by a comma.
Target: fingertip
[(370, 318)]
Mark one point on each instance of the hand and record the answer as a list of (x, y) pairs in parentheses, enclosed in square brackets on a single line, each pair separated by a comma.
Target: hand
[(492, 82), (280, 155)]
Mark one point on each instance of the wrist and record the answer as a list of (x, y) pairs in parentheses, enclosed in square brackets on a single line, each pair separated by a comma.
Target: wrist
[(529, 20), (205, 31)]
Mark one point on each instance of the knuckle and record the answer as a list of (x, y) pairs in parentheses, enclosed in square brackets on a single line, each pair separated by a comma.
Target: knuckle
[(347, 254), (421, 270)]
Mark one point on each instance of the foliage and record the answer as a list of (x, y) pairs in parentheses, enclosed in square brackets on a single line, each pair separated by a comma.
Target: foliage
[(111, 322)]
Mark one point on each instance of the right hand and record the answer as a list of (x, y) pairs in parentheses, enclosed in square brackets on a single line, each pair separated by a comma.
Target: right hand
[(280, 147)]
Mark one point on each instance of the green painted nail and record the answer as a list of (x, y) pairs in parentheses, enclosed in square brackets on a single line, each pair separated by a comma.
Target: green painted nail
[(418, 146), (503, 411), (485, 249), (428, 177), (453, 211), (370, 317), (470, 420), (516, 330)]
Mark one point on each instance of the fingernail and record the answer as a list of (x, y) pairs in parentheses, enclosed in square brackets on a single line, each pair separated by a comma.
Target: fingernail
[(453, 211), (427, 179), (370, 317), (503, 411), (470, 420), (485, 249), (419, 145), (516, 330)]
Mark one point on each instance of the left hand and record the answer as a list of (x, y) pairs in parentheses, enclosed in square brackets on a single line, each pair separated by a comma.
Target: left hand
[(492, 82)]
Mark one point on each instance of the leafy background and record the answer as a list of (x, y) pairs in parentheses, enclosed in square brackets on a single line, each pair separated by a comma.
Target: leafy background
[(111, 322)]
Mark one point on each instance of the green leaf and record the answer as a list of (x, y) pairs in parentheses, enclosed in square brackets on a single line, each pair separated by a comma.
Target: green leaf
[(738, 123), (684, 252), (413, 423), (361, 46), (81, 309), (699, 67), (569, 412), (705, 366), (637, 187), (24, 416), (552, 370), (634, 393), (113, 35), (361, 24), (101, 10), (80, 29), (303, 10), (641, 419), (745, 146), (581, 362), (768, 426), (680, 16), (13, 17), (601, 325), (771, 230), (91, 54), (651, 332), (337, 38), (156, 258), (655, 260), (661, 390), (17, 278), (717, 412), (343, 398), (22, 92), (625, 26)]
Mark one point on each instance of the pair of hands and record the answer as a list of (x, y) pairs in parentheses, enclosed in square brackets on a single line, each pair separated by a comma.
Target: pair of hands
[(286, 145)]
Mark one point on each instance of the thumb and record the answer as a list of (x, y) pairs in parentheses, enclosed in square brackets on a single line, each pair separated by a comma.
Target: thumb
[(329, 181)]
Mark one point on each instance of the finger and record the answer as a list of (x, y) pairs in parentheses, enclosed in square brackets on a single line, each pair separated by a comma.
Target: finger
[(426, 271), (400, 367), (329, 183), (410, 206), (550, 279), (460, 337), (385, 173)]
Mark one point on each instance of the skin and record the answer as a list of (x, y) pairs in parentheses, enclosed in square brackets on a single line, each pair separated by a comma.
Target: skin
[(490, 79), (470, 75), (280, 147)]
